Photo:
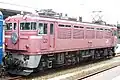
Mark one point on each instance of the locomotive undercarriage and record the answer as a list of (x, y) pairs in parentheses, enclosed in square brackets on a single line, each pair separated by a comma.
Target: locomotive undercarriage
[(73, 57), (20, 64), (25, 65)]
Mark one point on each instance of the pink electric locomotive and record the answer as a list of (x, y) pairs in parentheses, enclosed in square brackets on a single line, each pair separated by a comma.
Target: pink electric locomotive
[(35, 42)]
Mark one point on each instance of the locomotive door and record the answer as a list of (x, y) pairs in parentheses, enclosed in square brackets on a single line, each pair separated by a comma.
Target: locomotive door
[(51, 35), (43, 33)]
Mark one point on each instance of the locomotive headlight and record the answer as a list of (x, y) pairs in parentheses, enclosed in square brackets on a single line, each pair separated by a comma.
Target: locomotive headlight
[(14, 38), (27, 46)]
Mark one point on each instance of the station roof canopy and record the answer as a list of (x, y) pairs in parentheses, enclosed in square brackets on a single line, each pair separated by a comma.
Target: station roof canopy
[(12, 9)]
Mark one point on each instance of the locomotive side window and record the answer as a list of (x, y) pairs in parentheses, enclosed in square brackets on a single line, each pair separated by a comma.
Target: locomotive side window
[(51, 29), (42, 28), (45, 28), (76, 26), (33, 26), (67, 25), (8, 26), (61, 25), (15, 26)]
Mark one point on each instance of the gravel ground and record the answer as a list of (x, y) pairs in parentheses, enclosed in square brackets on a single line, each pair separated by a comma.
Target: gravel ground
[(105, 64)]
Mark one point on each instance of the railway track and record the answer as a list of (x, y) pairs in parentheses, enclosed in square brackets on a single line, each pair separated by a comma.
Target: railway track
[(16, 78), (54, 73), (12, 78)]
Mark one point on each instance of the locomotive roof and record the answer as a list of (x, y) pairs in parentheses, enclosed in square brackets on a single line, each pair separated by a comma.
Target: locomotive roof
[(59, 20)]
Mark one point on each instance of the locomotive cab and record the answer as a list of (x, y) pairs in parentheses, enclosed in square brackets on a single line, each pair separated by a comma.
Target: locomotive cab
[(25, 33), (25, 39)]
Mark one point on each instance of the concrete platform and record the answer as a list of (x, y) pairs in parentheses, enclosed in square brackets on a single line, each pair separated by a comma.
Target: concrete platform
[(112, 74)]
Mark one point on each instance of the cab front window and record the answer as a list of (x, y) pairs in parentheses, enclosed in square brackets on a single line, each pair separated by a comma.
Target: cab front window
[(28, 26), (25, 26), (8, 26)]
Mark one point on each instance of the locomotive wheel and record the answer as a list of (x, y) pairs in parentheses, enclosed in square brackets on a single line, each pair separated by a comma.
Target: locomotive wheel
[(113, 54)]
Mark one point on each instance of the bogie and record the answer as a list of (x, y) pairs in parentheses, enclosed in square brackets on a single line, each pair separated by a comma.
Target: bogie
[(75, 57)]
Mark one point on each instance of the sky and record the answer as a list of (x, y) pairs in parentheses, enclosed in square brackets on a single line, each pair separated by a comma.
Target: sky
[(74, 8)]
